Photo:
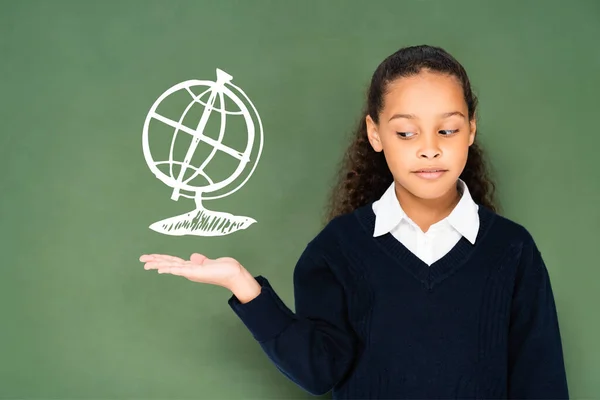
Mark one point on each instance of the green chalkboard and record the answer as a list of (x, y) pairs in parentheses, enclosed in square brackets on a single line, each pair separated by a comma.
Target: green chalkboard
[(80, 318)]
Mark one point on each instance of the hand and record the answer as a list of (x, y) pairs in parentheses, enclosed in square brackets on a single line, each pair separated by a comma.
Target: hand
[(222, 271)]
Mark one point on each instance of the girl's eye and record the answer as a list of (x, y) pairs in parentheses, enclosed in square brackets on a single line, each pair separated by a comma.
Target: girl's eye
[(445, 132), (450, 132)]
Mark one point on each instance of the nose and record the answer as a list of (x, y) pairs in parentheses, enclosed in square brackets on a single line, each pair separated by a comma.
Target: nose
[(429, 147)]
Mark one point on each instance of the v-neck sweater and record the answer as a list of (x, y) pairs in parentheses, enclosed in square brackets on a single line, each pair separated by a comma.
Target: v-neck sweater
[(372, 320)]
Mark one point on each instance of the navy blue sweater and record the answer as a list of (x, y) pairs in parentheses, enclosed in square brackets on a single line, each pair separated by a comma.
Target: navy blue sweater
[(374, 321)]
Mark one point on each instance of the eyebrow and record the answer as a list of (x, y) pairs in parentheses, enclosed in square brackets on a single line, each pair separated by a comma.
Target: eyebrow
[(412, 116)]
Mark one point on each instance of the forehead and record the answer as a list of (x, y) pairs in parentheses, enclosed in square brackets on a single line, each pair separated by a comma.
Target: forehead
[(424, 94)]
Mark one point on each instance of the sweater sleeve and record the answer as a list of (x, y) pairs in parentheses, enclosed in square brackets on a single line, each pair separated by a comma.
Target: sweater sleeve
[(313, 347), (536, 367)]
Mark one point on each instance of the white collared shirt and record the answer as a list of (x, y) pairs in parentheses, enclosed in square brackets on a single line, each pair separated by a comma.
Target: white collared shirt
[(440, 238)]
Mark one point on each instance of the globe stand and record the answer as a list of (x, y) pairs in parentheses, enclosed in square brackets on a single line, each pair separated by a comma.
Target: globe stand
[(202, 222)]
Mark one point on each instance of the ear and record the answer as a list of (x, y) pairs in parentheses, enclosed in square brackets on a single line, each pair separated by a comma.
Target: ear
[(372, 134), (473, 130)]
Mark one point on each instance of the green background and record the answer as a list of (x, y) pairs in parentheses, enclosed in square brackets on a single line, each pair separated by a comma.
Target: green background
[(79, 316)]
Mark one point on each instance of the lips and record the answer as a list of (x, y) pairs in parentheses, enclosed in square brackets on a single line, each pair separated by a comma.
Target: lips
[(431, 170), (430, 173)]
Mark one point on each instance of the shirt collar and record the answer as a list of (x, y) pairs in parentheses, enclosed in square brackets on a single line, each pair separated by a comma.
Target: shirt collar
[(464, 217)]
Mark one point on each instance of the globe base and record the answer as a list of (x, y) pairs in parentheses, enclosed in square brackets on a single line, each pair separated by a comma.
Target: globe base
[(202, 222)]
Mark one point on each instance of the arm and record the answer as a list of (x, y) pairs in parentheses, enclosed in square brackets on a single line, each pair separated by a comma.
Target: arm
[(314, 347), (536, 366)]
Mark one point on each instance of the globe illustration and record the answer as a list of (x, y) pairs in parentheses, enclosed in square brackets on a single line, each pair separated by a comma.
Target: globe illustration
[(195, 136)]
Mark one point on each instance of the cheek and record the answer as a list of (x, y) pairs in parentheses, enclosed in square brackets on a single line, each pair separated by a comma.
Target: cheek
[(459, 145), (457, 154), (398, 155)]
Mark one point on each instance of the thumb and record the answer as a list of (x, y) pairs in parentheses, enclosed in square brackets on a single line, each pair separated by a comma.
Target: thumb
[(197, 258)]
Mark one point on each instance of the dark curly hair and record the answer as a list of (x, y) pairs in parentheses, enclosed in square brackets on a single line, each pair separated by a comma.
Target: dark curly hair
[(363, 173)]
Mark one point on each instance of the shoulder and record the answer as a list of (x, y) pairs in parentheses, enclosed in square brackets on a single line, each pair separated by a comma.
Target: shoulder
[(520, 241), (509, 230), (347, 228), (338, 237)]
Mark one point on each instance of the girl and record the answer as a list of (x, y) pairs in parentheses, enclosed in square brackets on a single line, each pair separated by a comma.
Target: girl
[(416, 287)]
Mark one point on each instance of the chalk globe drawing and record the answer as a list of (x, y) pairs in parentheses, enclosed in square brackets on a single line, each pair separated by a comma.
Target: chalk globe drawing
[(201, 221)]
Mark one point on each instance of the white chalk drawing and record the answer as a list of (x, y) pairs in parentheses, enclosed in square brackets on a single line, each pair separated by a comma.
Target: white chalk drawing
[(201, 221)]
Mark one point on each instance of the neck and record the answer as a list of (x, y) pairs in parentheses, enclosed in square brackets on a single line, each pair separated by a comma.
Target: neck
[(426, 212)]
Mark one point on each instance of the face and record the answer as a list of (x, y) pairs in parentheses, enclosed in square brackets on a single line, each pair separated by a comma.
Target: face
[(424, 124)]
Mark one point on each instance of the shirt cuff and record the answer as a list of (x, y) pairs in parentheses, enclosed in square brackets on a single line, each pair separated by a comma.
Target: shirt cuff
[(266, 316)]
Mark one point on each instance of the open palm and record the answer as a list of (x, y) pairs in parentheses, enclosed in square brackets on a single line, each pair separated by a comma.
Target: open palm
[(220, 271)]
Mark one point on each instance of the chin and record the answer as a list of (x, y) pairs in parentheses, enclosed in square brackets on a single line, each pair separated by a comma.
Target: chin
[(429, 194), (429, 190)]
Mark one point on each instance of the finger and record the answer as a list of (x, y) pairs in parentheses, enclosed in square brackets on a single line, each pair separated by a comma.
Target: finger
[(198, 258), (169, 270), (175, 270), (162, 264), (167, 257), (159, 257)]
